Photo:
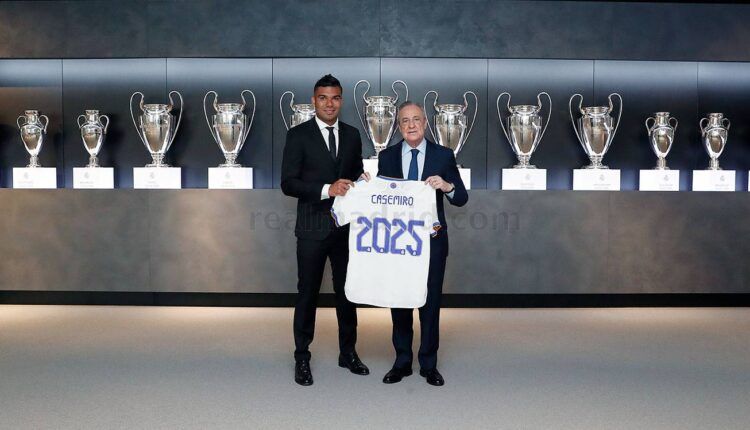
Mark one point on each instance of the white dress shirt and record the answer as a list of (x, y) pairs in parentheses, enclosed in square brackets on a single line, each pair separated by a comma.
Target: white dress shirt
[(324, 131)]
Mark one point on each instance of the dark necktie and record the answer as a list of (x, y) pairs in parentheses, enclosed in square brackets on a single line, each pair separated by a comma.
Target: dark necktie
[(331, 143), (413, 167)]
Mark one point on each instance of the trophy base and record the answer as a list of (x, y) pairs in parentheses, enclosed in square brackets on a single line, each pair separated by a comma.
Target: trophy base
[(156, 165), (230, 165), (524, 179), (596, 167), (93, 178), (35, 177), (659, 180), (714, 164), (160, 177), (597, 179), (524, 166), (714, 180), (465, 176), (370, 166), (230, 178)]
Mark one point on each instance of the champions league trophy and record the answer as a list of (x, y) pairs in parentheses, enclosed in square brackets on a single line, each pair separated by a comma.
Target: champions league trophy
[(379, 114), (32, 134), (300, 112), (451, 128), (93, 130), (229, 126), (156, 127), (595, 129), (714, 134), (524, 128), (661, 135)]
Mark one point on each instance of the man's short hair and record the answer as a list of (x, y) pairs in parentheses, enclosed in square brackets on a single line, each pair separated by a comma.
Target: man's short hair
[(328, 81), (410, 103)]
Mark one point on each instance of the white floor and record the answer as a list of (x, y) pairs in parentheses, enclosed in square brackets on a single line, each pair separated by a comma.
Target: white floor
[(195, 368)]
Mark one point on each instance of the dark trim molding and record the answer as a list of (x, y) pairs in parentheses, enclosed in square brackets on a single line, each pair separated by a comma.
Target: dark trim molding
[(18, 297)]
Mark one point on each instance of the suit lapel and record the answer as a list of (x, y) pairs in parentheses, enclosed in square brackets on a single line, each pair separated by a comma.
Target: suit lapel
[(429, 161)]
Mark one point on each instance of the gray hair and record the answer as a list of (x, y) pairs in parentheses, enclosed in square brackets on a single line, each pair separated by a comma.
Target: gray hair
[(411, 103)]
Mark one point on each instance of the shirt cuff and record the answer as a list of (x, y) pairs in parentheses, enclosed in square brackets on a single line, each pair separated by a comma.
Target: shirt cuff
[(452, 193), (324, 192)]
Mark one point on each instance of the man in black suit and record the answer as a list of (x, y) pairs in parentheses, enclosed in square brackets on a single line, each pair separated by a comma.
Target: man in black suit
[(322, 158), (416, 158)]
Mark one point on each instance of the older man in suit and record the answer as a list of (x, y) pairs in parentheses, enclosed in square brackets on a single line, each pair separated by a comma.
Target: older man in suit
[(322, 158), (416, 158)]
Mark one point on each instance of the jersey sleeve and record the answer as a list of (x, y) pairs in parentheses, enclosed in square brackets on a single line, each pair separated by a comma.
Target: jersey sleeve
[(340, 209)]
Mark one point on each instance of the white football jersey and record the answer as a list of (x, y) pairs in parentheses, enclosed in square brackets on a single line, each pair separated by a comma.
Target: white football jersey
[(389, 240)]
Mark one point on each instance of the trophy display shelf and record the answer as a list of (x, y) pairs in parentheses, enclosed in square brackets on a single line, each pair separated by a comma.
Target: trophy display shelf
[(34, 177), (524, 179), (102, 178), (465, 176), (714, 180), (158, 178), (230, 178), (659, 180), (596, 179)]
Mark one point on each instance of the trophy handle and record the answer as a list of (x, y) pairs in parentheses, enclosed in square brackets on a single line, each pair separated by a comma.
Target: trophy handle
[(252, 116), (395, 100), (281, 107), (105, 125), (675, 123), (393, 87), (648, 127), (573, 121), (18, 121), (500, 116), (356, 106), (619, 115), (700, 124), (434, 106), (476, 110), (78, 120), (725, 120), (46, 122), (179, 118), (205, 114), (132, 116), (549, 115)]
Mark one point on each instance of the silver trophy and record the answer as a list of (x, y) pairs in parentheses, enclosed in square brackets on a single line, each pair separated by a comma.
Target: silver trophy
[(32, 134), (93, 130), (714, 134), (229, 126), (156, 127), (451, 125), (300, 112), (524, 128), (661, 135), (379, 114), (595, 129)]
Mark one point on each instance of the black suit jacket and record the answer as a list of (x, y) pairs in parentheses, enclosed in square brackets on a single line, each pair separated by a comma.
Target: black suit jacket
[(307, 166), (439, 161)]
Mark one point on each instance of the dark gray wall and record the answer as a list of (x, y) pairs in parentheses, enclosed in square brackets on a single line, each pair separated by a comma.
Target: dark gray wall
[(550, 242), (376, 28)]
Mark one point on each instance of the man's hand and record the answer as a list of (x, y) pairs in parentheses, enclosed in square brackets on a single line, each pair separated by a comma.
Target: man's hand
[(365, 176), (437, 183), (340, 187)]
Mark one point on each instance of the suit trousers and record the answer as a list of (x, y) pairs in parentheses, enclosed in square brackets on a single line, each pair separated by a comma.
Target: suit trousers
[(311, 259), (429, 314)]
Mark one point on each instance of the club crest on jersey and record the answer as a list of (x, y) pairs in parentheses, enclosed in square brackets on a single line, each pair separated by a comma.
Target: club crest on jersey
[(393, 185)]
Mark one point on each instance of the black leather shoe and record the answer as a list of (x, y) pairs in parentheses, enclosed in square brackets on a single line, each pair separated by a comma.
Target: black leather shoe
[(396, 375), (433, 377), (353, 363), (302, 373)]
